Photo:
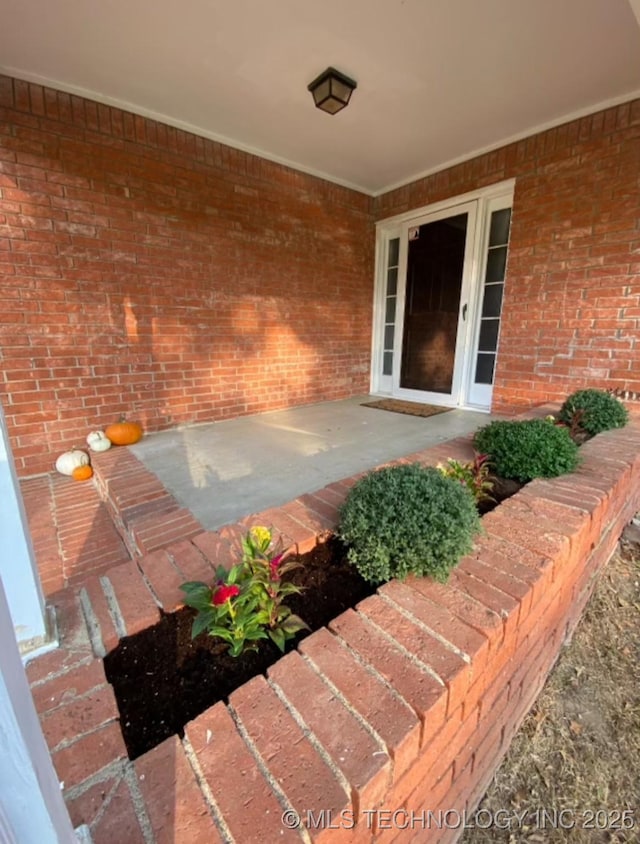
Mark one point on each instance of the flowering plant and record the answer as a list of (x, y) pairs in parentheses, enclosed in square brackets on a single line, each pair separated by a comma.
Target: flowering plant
[(475, 475), (246, 602)]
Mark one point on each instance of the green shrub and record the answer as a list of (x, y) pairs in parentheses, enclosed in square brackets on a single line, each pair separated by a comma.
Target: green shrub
[(407, 519), (594, 411), (527, 449)]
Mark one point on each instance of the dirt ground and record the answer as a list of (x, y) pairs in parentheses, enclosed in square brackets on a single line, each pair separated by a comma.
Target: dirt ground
[(573, 770)]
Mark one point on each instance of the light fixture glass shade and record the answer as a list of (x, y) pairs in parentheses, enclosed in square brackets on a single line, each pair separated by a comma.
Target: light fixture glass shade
[(332, 90)]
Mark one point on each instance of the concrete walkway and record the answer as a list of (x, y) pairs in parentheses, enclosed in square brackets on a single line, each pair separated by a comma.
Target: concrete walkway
[(225, 470)]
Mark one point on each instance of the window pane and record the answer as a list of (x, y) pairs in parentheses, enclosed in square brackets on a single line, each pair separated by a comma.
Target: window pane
[(499, 233), (496, 263), (484, 368), (387, 363), (392, 281), (388, 336), (492, 300), (488, 335), (390, 311), (394, 252)]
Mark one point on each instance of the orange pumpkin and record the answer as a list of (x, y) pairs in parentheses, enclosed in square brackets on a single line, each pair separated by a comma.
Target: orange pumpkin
[(82, 473), (123, 432)]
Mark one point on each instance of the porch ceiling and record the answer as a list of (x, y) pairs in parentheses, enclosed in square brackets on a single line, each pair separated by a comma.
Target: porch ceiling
[(438, 80)]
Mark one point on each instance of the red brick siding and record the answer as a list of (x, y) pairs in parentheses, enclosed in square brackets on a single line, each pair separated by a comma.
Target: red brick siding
[(572, 295), (149, 271)]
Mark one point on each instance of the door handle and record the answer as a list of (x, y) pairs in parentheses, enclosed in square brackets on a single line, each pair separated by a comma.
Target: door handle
[(464, 312)]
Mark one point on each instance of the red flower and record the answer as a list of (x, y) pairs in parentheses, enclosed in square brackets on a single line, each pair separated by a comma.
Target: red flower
[(225, 593), (273, 564)]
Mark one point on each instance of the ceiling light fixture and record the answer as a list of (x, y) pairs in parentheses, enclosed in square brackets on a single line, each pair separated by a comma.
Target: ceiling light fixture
[(332, 90)]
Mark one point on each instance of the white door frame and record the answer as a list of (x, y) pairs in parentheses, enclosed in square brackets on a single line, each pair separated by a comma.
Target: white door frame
[(475, 259), (479, 395), (464, 309)]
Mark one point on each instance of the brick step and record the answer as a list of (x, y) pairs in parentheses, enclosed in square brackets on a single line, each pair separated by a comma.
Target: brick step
[(145, 514), (72, 531)]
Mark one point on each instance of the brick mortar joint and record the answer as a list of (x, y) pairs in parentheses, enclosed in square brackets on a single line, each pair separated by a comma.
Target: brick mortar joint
[(405, 613), (196, 549), (69, 742), (66, 669), (66, 701), (139, 806), (369, 728), (93, 625), (427, 669), (207, 794), (171, 559), (147, 582), (113, 606), (371, 670), (309, 734), (273, 783), (114, 770), (53, 508)]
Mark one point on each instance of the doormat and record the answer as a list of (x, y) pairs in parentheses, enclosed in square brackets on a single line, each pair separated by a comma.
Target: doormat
[(412, 408)]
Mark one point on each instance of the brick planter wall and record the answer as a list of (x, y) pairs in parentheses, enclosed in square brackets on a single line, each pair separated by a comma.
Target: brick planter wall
[(405, 704)]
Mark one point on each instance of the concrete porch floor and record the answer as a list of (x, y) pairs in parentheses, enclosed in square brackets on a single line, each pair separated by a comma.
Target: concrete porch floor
[(206, 476), (224, 471)]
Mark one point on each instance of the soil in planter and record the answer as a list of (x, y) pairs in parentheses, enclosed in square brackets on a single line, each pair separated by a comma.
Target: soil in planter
[(162, 678), (502, 489)]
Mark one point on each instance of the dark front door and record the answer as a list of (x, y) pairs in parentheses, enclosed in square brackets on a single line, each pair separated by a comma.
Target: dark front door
[(435, 262)]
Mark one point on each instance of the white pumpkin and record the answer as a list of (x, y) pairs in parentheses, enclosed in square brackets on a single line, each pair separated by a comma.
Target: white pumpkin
[(70, 460), (97, 441)]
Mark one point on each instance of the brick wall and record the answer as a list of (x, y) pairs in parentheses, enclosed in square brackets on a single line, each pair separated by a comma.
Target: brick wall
[(572, 294), (147, 271)]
